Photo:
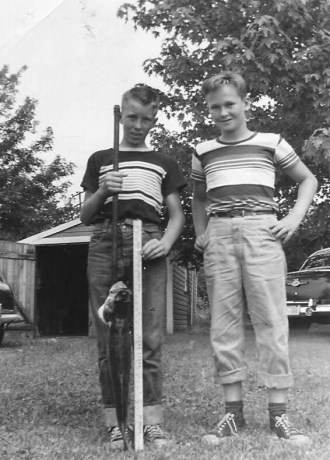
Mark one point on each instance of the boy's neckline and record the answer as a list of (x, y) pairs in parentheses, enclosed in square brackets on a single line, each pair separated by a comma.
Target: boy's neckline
[(132, 149), (236, 142)]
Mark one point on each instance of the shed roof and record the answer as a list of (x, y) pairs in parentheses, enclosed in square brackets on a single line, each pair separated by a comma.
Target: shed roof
[(72, 232)]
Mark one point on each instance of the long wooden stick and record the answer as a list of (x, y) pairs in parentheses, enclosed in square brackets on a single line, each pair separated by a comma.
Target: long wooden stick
[(116, 113), (119, 342), (138, 370)]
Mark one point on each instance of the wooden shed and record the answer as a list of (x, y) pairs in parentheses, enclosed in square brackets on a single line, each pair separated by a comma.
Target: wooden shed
[(58, 300)]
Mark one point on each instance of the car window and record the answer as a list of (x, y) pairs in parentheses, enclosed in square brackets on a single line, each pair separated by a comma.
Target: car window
[(319, 260)]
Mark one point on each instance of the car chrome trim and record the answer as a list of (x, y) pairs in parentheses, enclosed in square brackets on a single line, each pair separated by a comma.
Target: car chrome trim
[(11, 318), (303, 306), (296, 282)]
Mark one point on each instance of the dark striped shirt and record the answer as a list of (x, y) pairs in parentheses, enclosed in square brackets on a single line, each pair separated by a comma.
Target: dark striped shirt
[(150, 176)]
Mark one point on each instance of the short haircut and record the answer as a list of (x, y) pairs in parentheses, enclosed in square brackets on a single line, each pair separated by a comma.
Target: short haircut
[(143, 94), (225, 78)]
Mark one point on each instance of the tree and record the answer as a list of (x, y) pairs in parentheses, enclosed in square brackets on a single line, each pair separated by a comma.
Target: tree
[(175, 145), (282, 49), (33, 194)]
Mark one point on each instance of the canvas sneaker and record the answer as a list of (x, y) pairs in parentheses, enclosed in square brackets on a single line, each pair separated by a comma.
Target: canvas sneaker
[(226, 427), (156, 435), (285, 431), (116, 437)]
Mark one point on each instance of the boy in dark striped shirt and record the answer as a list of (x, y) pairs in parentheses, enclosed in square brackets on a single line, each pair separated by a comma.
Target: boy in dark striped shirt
[(146, 180), (237, 229)]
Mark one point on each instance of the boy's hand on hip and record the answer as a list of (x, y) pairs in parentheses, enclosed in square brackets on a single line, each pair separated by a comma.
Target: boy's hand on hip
[(154, 249), (285, 228)]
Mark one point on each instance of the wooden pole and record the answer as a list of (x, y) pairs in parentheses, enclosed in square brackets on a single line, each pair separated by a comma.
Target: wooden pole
[(138, 369)]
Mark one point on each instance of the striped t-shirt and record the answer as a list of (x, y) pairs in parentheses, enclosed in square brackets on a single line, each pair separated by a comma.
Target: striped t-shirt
[(150, 176), (241, 175)]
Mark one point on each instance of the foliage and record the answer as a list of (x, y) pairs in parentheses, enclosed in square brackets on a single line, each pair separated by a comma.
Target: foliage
[(32, 192), (50, 401), (283, 46), (317, 148), (282, 49), (176, 145), (313, 235)]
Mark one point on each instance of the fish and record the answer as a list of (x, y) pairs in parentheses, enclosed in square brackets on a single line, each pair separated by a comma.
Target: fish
[(116, 312), (118, 293)]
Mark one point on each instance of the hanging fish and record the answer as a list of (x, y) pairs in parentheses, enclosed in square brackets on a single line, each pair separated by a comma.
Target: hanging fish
[(116, 312)]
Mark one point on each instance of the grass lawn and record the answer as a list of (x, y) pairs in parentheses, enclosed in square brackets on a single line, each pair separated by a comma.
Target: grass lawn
[(50, 401)]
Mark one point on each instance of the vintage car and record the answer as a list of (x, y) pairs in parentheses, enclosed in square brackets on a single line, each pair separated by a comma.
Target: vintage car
[(8, 309), (308, 290)]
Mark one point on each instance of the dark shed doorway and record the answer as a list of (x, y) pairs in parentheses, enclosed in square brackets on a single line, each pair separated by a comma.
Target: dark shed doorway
[(62, 289)]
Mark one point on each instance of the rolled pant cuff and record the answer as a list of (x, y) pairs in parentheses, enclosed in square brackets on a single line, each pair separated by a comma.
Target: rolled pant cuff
[(226, 378), (110, 417), (152, 415), (280, 382)]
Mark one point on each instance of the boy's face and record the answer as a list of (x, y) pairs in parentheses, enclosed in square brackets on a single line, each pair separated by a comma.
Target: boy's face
[(137, 120), (228, 110)]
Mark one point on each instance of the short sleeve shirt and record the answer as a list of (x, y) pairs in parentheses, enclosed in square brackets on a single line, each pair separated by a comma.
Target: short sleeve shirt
[(242, 174), (149, 177)]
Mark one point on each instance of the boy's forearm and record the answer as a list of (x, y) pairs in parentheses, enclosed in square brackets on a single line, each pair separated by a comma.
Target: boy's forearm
[(306, 191), (173, 231), (200, 218), (91, 206)]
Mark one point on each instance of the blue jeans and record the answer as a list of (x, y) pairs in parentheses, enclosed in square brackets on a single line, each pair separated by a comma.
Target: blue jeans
[(245, 266), (153, 313)]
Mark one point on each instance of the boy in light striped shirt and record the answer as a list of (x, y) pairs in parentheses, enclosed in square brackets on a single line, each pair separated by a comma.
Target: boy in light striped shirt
[(238, 232)]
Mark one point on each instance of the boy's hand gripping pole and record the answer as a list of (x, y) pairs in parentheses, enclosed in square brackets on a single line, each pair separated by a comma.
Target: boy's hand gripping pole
[(138, 369)]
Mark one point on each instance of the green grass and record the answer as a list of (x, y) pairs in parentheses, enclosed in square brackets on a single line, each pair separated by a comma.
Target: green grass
[(50, 401)]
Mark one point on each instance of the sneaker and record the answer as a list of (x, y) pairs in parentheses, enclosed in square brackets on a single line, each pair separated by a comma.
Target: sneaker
[(116, 437), (285, 431), (155, 434), (226, 427)]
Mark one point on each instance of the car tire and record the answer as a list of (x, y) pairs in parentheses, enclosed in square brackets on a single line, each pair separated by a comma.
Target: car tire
[(300, 323), (2, 332)]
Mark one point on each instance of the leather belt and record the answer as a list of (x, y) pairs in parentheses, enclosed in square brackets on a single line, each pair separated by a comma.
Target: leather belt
[(126, 221), (240, 213)]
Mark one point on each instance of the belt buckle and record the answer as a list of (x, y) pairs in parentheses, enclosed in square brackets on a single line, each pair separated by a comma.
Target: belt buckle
[(237, 213)]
